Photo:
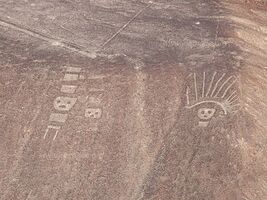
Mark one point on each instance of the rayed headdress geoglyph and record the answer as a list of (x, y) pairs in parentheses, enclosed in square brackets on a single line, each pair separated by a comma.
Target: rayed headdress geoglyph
[(210, 95)]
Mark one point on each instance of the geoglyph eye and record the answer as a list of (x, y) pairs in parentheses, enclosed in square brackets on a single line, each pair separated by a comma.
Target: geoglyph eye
[(205, 113), (210, 93), (64, 103)]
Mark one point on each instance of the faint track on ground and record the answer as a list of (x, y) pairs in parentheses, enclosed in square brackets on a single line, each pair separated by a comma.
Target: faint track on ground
[(53, 41)]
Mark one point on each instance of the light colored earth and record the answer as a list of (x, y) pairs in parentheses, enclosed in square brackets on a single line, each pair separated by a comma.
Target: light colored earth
[(133, 100)]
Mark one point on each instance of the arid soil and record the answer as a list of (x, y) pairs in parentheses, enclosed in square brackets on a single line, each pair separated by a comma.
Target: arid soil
[(133, 100)]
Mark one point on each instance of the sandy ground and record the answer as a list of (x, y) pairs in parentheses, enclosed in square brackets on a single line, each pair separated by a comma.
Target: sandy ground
[(133, 100)]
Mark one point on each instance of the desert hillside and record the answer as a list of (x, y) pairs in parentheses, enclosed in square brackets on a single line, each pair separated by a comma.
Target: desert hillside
[(133, 100)]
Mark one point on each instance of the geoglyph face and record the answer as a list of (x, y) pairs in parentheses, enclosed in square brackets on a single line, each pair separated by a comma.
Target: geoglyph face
[(205, 115), (210, 94), (64, 103)]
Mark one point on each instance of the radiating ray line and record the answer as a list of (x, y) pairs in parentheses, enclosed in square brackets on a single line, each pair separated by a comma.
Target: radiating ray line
[(233, 97), (230, 96), (211, 83), (187, 96), (195, 80), (216, 85), (225, 82), (235, 108), (235, 105), (231, 103), (189, 75), (235, 111), (228, 88), (203, 85)]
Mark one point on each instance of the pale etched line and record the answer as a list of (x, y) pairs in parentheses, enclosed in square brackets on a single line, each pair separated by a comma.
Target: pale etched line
[(51, 127), (216, 35), (16, 93), (195, 82), (55, 42), (187, 96), (211, 83), (55, 135), (217, 83), (235, 111), (228, 88), (189, 76), (96, 77), (70, 77), (230, 96), (68, 89), (125, 26), (96, 90), (28, 196), (233, 101), (235, 105), (233, 97), (220, 89), (212, 17), (203, 85), (74, 69), (101, 22), (46, 132)]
